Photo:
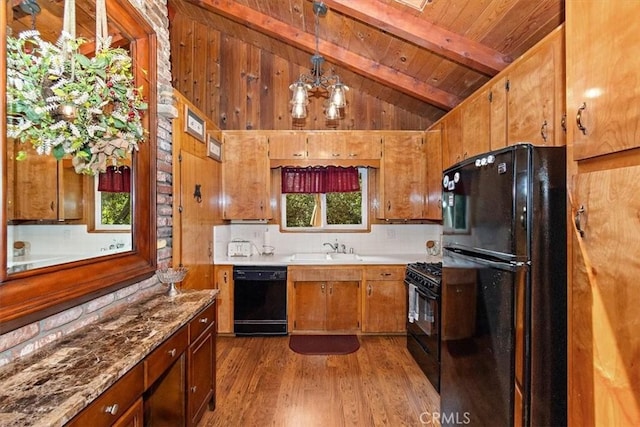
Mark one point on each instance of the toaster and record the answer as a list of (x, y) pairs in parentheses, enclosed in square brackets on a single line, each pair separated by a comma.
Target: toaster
[(238, 248)]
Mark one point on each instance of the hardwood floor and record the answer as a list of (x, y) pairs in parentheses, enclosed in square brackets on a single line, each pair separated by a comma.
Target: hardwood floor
[(261, 382)]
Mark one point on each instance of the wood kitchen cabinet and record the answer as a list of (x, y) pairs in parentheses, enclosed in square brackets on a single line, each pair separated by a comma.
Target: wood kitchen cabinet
[(172, 386), (476, 123), (535, 93), (602, 77), (224, 300), (120, 405), (523, 103), (324, 299), (344, 145), (201, 376), (246, 176), (59, 194), (403, 177), (603, 185), (433, 142), (285, 145), (451, 128), (384, 299)]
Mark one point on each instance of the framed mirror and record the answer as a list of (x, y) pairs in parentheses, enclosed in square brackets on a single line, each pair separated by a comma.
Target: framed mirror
[(114, 258)]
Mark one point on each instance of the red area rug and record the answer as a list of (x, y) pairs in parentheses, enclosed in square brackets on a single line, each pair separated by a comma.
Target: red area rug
[(324, 344)]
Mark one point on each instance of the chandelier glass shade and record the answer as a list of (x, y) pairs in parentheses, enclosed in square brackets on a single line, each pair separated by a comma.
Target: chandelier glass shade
[(328, 86)]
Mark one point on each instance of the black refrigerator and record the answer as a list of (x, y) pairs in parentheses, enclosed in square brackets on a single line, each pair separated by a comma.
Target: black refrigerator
[(504, 296)]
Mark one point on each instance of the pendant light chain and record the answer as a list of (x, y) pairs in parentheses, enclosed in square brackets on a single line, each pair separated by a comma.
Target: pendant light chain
[(317, 82)]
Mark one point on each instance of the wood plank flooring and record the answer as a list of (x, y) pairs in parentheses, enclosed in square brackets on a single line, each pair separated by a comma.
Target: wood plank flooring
[(261, 382)]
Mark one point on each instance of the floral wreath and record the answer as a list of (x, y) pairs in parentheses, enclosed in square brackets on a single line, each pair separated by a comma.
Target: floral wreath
[(67, 104)]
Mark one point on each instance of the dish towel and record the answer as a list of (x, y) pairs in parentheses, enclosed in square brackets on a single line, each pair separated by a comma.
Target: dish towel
[(413, 303)]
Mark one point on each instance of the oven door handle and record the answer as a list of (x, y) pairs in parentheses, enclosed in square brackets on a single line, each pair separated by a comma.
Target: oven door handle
[(427, 294)]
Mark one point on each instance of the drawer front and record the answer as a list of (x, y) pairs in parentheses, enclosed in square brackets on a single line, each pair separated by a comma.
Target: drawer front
[(324, 274), (114, 402), (201, 322), (385, 273), (164, 356)]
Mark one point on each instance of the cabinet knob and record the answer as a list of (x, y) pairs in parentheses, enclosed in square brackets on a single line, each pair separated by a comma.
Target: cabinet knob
[(204, 320), (172, 352), (297, 154), (112, 409), (193, 389), (369, 290)]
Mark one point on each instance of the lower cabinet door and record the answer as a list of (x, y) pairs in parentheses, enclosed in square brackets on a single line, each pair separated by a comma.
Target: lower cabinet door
[(343, 308), (164, 403), (201, 376)]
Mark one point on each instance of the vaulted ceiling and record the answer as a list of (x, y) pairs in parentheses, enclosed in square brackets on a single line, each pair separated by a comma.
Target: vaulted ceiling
[(425, 60)]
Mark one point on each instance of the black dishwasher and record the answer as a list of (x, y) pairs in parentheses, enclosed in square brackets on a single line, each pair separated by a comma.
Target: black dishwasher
[(260, 300)]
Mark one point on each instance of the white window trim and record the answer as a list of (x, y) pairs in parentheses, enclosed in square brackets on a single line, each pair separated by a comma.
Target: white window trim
[(323, 207), (97, 213)]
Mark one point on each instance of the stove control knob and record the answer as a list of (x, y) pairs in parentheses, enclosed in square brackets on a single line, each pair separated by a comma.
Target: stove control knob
[(478, 163), (484, 161), (445, 181), (491, 159)]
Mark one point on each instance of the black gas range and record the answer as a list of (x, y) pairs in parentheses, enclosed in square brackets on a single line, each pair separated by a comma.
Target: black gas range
[(425, 274), (423, 282)]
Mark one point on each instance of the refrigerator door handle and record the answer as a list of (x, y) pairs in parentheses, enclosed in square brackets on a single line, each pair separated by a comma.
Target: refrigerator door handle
[(501, 265), (480, 253), (523, 217)]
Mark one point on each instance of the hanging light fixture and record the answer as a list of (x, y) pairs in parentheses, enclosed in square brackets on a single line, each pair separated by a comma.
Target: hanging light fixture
[(317, 82)]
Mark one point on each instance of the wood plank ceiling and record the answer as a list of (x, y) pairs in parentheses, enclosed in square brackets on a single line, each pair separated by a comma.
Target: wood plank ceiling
[(425, 60), (419, 60)]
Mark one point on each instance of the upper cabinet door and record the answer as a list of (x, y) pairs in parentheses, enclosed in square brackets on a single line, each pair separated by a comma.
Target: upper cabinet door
[(476, 124), (403, 177), (535, 97), (347, 145), (246, 177), (603, 65), (288, 145)]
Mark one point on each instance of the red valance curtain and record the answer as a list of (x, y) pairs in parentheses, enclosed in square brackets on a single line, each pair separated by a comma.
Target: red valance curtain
[(330, 179), (115, 180)]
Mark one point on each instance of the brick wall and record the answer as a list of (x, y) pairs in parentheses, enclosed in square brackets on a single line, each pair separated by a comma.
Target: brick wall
[(25, 340)]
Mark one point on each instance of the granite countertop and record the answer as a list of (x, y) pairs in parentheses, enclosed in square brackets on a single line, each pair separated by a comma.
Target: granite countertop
[(362, 259), (51, 386)]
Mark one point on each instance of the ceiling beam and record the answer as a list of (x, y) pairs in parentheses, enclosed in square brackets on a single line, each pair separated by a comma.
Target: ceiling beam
[(332, 52), (421, 33)]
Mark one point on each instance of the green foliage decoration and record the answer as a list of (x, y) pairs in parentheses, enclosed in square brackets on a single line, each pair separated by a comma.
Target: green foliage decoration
[(44, 81)]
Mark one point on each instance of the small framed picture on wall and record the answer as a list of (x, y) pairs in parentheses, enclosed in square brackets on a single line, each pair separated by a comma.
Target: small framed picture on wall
[(194, 125), (214, 148)]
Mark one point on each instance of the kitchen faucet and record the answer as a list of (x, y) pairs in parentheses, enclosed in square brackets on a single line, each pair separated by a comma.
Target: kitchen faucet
[(333, 247), (336, 247)]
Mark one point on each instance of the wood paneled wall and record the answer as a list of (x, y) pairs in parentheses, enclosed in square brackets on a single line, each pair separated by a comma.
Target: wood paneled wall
[(240, 86)]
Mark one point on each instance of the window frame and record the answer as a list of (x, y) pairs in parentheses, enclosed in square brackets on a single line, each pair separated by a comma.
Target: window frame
[(324, 227), (97, 212)]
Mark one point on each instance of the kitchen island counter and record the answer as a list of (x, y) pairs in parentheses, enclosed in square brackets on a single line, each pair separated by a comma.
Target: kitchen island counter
[(52, 385)]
